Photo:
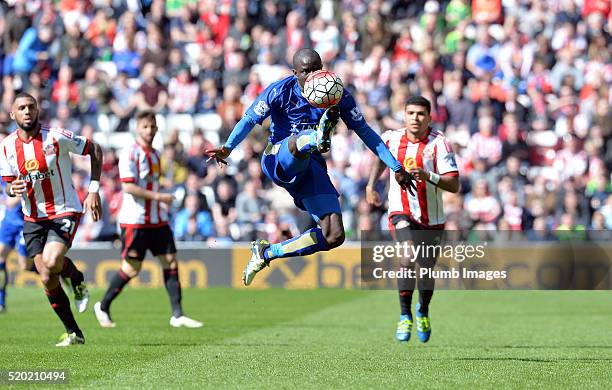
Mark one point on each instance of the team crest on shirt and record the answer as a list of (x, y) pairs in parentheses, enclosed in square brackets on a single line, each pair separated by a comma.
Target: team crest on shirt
[(50, 150), (428, 153), (261, 108), (410, 163), (31, 165)]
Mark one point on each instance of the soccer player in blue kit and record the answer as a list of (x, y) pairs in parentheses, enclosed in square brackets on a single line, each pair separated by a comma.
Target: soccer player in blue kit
[(300, 132)]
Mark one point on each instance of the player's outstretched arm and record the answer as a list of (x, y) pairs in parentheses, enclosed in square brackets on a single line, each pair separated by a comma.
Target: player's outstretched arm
[(238, 134), (376, 145), (372, 196), (218, 154), (139, 192), (92, 202)]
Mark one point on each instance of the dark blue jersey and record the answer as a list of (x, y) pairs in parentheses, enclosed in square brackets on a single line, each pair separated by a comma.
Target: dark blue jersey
[(290, 112)]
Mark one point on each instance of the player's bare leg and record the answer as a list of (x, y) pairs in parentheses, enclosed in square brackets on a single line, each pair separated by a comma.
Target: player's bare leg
[(169, 264), (129, 270), (49, 265)]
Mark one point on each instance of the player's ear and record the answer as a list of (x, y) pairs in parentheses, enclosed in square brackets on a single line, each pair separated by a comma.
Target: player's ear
[(12, 115)]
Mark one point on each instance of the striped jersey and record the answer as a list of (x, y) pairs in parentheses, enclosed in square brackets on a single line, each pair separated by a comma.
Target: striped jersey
[(433, 153), (142, 167), (44, 163)]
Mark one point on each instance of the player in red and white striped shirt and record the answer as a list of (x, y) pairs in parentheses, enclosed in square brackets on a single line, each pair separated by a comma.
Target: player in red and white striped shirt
[(427, 155), (35, 161), (144, 223)]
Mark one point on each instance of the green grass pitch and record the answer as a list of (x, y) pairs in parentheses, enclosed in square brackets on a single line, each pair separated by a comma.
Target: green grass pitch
[(321, 339)]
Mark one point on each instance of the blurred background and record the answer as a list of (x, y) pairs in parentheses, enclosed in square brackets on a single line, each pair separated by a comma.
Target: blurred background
[(520, 87)]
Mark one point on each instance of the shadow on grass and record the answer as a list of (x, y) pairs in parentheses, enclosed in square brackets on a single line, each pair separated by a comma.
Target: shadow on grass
[(535, 360), (204, 344)]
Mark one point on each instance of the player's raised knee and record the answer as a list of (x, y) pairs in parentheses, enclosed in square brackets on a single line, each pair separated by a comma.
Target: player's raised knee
[(53, 260), (131, 268)]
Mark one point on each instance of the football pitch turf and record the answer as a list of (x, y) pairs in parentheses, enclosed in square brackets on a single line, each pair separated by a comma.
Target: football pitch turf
[(321, 339)]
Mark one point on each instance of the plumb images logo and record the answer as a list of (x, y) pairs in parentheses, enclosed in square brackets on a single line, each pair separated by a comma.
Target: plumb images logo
[(464, 261)]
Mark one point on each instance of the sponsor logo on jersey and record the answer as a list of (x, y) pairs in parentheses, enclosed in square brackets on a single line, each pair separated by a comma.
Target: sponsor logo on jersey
[(37, 176), (155, 170)]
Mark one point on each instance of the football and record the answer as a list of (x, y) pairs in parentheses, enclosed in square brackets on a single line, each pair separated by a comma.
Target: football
[(323, 89)]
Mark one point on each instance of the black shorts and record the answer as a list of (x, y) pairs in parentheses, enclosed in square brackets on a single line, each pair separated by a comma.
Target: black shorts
[(424, 237), (136, 241), (418, 234), (37, 234)]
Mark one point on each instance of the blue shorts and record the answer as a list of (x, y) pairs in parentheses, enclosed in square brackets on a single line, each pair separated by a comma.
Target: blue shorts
[(11, 234), (310, 185)]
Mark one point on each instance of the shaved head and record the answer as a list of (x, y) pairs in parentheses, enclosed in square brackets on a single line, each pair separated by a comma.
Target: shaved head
[(306, 56), (305, 61)]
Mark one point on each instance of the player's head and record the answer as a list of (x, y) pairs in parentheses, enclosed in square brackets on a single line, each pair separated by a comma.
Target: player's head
[(146, 126), (305, 61), (24, 111), (417, 114)]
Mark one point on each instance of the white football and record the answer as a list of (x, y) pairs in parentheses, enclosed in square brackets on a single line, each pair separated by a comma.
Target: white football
[(323, 89)]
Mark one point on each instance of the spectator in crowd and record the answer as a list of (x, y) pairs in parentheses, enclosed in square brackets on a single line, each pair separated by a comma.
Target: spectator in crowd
[(192, 224), (152, 95)]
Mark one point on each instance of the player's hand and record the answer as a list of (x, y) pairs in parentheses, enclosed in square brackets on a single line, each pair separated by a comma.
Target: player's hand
[(373, 197), (18, 187), (406, 180), (93, 205), (218, 154), (165, 198), (420, 174)]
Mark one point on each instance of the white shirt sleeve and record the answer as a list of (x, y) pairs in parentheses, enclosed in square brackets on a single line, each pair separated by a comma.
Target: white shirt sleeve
[(445, 158), (128, 165), (70, 142), (7, 173)]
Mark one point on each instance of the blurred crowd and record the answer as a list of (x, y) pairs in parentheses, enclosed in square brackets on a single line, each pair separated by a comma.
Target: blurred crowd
[(520, 87)]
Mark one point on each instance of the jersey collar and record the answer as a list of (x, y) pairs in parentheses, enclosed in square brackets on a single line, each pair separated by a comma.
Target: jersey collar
[(420, 140), (35, 136)]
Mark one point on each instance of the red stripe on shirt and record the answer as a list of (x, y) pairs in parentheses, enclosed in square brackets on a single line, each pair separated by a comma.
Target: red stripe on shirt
[(47, 187), (147, 216), (422, 187), (158, 165), (401, 156), (29, 184), (86, 148)]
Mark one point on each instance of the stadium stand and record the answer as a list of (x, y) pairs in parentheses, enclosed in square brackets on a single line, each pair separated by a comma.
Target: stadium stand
[(521, 87)]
